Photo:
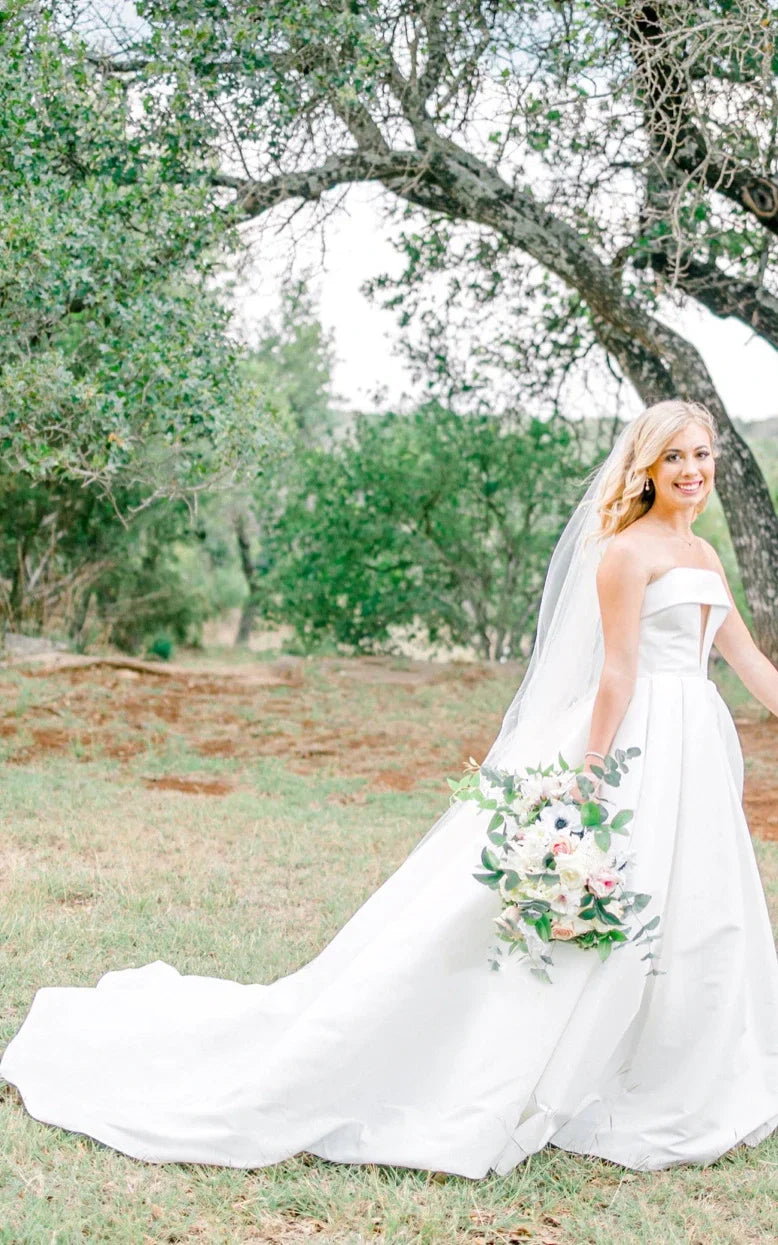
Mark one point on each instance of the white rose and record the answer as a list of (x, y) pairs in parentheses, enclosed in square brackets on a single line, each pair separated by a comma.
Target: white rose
[(603, 883), (573, 871)]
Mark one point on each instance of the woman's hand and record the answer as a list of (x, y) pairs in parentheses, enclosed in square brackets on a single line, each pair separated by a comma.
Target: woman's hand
[(597, 782)]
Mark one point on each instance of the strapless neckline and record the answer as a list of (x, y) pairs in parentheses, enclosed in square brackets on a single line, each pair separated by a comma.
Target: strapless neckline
[(698, 570)]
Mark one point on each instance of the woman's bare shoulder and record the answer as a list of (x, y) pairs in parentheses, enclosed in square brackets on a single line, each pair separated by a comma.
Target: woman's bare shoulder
[(709, 553), (627, 560)]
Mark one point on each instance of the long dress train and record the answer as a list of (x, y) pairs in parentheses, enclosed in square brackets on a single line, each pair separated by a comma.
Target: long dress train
[(397, 1044)]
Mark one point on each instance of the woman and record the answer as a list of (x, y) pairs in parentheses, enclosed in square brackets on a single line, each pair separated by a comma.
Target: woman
[(396, 1044)]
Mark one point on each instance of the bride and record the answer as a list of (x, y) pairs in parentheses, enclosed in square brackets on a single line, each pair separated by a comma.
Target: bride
[(396, 1044)]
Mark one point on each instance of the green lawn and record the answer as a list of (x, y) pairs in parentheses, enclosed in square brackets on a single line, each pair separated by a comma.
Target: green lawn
[(102, 869)]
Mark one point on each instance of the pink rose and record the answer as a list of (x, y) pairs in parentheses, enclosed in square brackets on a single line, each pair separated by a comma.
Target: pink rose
[(561, 931), (603, 884), (562, 847)]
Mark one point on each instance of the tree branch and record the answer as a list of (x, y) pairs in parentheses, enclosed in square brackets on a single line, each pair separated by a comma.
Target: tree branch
[(397, 170), (681, 142), (723, 294)]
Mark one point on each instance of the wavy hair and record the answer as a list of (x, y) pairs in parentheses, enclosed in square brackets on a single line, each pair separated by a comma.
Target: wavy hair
[(626, 493)]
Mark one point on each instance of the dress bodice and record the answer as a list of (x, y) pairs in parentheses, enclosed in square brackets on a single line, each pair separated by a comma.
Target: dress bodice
[(682, 611)]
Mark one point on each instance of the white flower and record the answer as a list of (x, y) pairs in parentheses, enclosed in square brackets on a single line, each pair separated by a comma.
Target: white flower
[(573, 870), (559, 818), (526, 857), (537, 890), (531, 788), (565, 904)]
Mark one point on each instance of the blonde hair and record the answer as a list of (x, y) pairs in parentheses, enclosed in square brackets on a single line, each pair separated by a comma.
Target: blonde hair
[(623, 495)]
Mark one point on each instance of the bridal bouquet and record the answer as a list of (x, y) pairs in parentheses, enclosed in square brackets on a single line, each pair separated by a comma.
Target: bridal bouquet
[(553, 859)]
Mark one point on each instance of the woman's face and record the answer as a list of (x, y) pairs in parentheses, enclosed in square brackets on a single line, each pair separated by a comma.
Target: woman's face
[(683, 473)]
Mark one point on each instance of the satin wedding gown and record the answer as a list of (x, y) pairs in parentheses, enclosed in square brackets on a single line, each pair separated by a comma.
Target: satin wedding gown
[(397, 1045)]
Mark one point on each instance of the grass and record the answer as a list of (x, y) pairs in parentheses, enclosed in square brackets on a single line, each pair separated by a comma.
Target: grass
[(101, 869)]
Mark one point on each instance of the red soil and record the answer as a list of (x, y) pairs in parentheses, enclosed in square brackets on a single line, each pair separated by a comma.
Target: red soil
[(103, 712)]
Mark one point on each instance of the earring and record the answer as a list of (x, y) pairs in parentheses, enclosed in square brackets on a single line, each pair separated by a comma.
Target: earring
[(648, 486)]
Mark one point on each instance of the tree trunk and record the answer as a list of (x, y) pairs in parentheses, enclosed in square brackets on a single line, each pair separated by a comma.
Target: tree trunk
[(659, 362), (80, 612), (252, 575), (744, 494), (442, 177)]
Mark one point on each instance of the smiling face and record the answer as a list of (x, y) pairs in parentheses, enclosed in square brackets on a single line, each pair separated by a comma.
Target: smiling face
[(683, 473)]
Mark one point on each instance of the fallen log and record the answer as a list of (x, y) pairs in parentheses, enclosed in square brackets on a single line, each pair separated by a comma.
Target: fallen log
[(284, 672)]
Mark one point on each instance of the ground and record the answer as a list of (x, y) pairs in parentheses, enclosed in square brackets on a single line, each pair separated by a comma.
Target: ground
[(237, 713), (227, 816)]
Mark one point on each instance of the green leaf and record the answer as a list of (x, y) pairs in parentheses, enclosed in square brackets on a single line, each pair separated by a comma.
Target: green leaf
[(543, 927), (591, 813), (497, 821), (621, 819), (610, 918), (489, 860), (492, 880)]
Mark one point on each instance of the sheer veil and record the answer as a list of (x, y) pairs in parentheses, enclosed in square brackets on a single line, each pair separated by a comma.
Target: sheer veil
[(567, 656)]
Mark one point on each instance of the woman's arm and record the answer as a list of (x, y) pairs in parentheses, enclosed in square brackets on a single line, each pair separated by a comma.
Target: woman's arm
[(621, 583), (736, 645)]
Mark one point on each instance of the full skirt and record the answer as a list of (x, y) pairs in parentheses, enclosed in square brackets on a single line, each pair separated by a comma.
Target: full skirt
[(398, 1045)]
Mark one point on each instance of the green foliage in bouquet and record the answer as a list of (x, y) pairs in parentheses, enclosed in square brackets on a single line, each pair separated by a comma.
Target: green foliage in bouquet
[(553, 860)]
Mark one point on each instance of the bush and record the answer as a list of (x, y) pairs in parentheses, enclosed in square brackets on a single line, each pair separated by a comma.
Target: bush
[(436, 522)]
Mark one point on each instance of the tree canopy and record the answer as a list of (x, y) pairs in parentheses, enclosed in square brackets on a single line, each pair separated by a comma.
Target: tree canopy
[(117, 366), (622, 150)]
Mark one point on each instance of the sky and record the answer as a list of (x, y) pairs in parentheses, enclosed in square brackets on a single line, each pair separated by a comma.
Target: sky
[(354, 245)]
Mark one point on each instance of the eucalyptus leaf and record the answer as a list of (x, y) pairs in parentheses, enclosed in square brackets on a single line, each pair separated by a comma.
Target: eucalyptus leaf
[(489, 860), (591, 813)]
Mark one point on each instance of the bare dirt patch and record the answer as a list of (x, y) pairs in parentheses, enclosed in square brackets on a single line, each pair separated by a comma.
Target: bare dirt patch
[(356, 718), (189, 784)]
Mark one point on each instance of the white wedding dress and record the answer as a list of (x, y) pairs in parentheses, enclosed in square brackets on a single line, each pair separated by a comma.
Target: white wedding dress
[(398, 1045)]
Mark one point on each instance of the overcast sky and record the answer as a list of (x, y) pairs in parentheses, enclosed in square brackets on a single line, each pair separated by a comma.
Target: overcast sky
[(355, 247)]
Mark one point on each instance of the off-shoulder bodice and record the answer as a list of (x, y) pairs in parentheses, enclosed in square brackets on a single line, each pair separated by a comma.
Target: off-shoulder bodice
[(682, 611)]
